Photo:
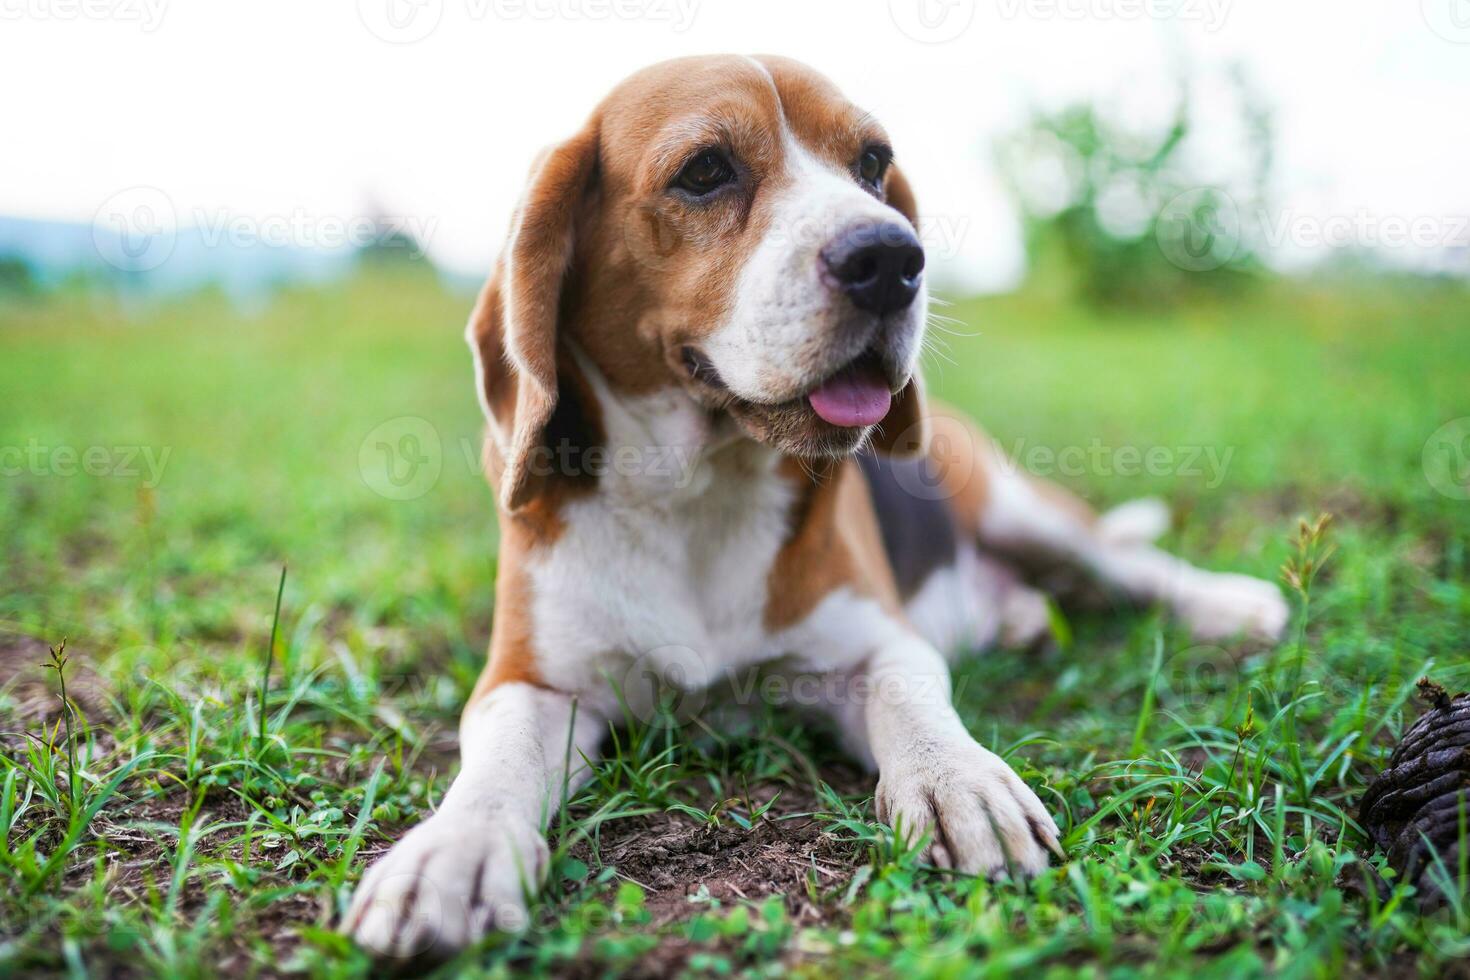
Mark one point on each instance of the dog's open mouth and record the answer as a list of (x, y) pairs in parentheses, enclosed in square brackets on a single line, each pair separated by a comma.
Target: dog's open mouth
[(829, 419), (857, 395)]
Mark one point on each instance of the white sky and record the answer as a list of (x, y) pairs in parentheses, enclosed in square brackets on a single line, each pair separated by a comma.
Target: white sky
[(295, 107)]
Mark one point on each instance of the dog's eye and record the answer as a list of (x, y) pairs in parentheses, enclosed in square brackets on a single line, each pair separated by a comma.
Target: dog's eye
[(705, 173), (873, 164)]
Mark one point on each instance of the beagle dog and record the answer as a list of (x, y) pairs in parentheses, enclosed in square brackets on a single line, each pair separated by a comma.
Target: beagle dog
[(722, 268)]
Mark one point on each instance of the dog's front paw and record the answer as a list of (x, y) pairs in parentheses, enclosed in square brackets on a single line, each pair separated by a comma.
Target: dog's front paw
[(448, 882), (1221, 605), (980, 817)]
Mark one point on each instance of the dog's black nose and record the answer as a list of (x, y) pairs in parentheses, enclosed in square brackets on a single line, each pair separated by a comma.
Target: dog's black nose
[(877, 265)]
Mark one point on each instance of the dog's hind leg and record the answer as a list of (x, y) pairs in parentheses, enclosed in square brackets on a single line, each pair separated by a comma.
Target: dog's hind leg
[(1059, 540), (976, 602)]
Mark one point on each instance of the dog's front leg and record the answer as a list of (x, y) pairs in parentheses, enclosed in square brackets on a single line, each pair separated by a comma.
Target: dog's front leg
[(935, 779), (472, 866)]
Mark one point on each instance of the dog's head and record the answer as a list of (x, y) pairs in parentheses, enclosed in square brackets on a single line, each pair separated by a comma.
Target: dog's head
[(730, 226)]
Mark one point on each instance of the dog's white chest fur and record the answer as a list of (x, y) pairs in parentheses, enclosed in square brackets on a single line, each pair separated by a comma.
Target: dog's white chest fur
[(666, 569)]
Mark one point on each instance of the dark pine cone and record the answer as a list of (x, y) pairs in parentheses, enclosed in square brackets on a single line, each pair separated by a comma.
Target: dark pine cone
[(1418, 800)]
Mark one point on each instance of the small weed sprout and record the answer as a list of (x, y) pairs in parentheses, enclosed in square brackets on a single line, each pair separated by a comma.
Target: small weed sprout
[(270, 652), (1300, 571), (57, 662), (1313, 549)]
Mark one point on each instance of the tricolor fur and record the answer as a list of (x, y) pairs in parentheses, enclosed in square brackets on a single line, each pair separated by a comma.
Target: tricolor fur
[(630, 319)]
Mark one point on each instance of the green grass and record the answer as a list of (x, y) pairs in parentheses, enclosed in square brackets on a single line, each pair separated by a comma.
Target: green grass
[(1206, 795)]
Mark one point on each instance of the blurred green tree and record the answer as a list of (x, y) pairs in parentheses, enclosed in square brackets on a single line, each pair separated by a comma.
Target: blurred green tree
[(16, 278), (1121, 218)]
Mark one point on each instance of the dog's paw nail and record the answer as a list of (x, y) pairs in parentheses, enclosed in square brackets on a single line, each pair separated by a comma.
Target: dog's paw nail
[(447, 883), (980, 817)]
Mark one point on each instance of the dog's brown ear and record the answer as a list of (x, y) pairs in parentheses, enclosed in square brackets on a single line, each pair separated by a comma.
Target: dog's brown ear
[(905, 430), (512, 330), (897, 194)]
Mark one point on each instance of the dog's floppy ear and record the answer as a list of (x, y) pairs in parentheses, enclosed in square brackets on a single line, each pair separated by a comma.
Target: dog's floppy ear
[(512, 331), (905, 430)]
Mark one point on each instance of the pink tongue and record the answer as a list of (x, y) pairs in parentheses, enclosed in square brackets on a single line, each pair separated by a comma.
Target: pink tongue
[(857, 396)]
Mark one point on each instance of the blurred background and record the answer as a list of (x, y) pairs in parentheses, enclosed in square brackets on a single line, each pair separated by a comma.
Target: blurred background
[(165, 144), (238, 243)]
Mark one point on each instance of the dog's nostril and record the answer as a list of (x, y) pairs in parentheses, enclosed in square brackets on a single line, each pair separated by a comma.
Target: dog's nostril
[(914, 265), (862, 267), (877, 267)]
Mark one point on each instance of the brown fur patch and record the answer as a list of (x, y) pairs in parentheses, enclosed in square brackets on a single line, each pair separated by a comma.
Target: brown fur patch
[(835, 542), (512, 645), (962, 460)]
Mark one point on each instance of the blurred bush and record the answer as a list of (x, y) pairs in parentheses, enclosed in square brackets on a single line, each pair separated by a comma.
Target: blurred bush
[(1123, 218), (16, 278)]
